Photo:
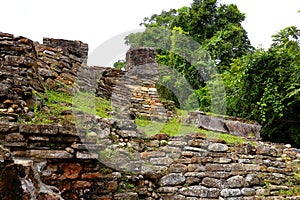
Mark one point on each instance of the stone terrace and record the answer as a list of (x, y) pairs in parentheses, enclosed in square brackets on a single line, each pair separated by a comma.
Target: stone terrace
[(112, 159)]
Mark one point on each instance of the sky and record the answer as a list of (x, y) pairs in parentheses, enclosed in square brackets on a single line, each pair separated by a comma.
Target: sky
[(96, 22)]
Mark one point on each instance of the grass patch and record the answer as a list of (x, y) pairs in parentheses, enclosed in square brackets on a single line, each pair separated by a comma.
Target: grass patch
[(175, 127), (88, 103), (172, 128), (55, 103), (230, 139)]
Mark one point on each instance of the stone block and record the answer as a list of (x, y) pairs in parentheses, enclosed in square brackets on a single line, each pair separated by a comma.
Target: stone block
[(14, 137), (237, 182), (218, 147), (49, 129), (178, 168), (8, 127), (172, 179), (161, 161), (248, 191), (30, 128), (211, 182), (195, 191), (86, 155), (152, 154), (231, 192), (71, 171)]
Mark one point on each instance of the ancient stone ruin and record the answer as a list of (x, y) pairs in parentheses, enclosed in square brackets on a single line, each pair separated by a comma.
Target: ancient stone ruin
[(112, 158)]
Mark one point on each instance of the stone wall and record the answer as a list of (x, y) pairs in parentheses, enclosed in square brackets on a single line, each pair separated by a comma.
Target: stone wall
[(133, 91), (111, 158), (77, 49), (126, 165), (222, 124), (61, 65), (17, 75), (27, 66)]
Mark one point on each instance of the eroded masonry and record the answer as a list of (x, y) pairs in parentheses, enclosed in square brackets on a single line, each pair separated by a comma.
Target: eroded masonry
[(111, 158)]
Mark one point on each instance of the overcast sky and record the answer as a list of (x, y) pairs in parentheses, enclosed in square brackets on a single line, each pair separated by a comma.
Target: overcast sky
[(96, 21)]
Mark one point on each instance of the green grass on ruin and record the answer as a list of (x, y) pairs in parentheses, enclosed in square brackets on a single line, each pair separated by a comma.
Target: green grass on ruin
[(58, 107), (55, 103), (176, 127)]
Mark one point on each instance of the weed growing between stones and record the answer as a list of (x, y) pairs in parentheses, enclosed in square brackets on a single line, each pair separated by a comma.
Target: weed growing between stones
[(55, 107)]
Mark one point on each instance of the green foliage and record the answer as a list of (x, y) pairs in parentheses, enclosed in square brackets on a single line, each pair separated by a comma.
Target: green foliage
[(105, 170), (265, 86), (217, 31), (215, 26), (172, 128), (120, 64), (55, 103), (88, 103), (176, 127), (108, 154)]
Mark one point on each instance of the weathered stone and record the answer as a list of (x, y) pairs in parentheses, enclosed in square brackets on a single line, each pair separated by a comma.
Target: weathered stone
[(177, 143), (172, 179), (183, 160), (38, 138), (9, 127), (161, 161), (237, 182), (262, 150), (127, 195), (243, 129), (14, 137), (253, 180), (213, 192), (230, 192), (87, 155), (251, 167), (195, 191), (71, 171), (159, 137), (187, 148), (49, 129), (79, 185), (10, 110), (195, 174), (47, 73), (50, 154), (218, 175), (217, 167), (126, 124), (30, 128), (174, 168), (196, 168), (220, 124), (18, 61), (248, 191), (217, 147), (91, 175), (171, 149), (168, 189), (152, 154), (261, 192), (211, 182), (70, 130), (127, 134), (223, 160)]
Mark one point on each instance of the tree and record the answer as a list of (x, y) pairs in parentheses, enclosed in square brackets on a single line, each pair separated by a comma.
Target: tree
[(217, 28), (265, 86)]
